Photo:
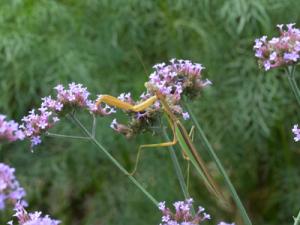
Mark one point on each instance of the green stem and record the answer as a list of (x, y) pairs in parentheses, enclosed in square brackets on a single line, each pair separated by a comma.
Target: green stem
[(114, 161), (66, 136), (297, 219), (213, 155), (177, 169), (293, 83), (94, 125)]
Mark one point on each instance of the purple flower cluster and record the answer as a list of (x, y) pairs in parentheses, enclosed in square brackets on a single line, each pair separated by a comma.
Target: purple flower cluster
[(173, 80), (38, 122), (9, 130), (296, 132), (279, 51), (36, 218), (10, 190), (183, 214), (178, 78)]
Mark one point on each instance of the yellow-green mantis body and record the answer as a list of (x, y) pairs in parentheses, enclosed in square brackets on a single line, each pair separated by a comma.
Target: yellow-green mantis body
[(180, 135)]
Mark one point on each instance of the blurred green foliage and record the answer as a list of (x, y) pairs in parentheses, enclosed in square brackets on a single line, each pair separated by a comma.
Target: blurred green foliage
[(110, 46)]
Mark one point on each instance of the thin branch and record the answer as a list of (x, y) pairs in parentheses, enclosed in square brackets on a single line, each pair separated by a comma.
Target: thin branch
[(66, 136)]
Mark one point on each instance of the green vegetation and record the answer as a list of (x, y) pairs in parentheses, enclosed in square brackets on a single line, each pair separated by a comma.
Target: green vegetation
[(110, 46)]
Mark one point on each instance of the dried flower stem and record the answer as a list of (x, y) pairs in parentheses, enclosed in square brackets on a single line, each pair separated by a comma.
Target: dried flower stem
[(113, 160), (213, 155)]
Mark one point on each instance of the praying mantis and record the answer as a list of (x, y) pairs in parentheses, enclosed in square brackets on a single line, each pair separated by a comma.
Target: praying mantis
[(180, 135)]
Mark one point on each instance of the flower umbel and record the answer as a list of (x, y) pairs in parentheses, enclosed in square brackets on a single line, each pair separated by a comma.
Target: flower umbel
[(173, 81), (9, 130), (10, 190), (183, 214), (279, 51), (39, 121), (35, 218)]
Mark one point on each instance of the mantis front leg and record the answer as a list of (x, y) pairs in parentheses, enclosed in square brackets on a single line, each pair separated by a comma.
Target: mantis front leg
[(113, 101)]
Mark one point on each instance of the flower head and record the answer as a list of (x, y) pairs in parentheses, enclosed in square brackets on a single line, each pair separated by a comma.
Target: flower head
[(279, 51), (35, 218), (177, 78), (75, 95), (182, 214), (172, 81), (10, 190), (9, 130), (37, 122)]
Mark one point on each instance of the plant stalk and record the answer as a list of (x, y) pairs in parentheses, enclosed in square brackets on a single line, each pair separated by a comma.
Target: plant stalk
[(220, 167), (114, 161), (177, 168), (292, 82)]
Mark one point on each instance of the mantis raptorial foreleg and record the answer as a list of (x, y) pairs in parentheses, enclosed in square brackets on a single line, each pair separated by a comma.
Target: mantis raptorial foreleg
[(113, 101)]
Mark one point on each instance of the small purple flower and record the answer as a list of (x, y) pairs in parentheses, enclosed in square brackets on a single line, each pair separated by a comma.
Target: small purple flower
[(267, 65), (125, 97), (291, 56), (273, 56), (185, 115), (36, 140), (296, 132)]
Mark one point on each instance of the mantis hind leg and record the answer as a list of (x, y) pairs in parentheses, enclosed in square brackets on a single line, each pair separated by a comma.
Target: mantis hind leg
[(164, 144), (141, 147)]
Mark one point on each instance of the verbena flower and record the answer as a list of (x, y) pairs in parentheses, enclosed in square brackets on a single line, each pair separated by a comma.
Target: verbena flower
[(39, 121), (35, 218), (173, 81), (183, 214), (9, 130), (36, 123), (296, 132), (10, 190), (177, 78), (279, 51)]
